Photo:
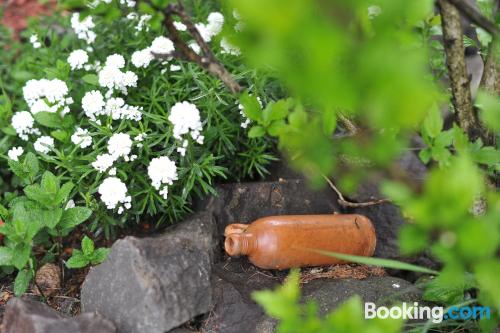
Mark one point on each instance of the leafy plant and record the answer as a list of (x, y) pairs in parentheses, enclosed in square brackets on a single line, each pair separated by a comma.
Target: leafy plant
[(284, 304), (88, 255)]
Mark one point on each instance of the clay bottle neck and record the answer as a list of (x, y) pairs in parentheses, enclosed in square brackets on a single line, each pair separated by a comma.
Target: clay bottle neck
[(240, 244)]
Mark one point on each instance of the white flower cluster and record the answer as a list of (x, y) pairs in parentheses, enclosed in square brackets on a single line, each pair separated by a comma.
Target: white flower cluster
[(38, 93), (160, 45), (35, 42), (186, 119), (114, 194), (77, 59), (44, 144), (142, 21), (162, 171), (112, 77), (83, 29), (23, 122), (81, 138), (15, 152), (212, 28), (94, 105), (119, 145)]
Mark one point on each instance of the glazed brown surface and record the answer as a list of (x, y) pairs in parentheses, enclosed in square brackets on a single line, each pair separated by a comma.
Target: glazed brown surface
[(280, 242)]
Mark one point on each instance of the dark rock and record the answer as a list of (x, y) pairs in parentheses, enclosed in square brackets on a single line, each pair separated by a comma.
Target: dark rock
[(246, 202), (236, 312), (155, 284), (329, 294), (26, 316)]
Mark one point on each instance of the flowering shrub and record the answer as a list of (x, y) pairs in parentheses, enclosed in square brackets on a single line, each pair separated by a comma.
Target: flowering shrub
[(136, 135)]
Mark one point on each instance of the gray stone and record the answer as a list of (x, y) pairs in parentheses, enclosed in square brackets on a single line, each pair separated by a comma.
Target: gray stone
[(386, 290), (27, 316), (246, 202), (155, 284), (236, 312)]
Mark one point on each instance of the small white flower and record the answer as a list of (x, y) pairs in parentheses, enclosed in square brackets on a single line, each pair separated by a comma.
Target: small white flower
[(103, 162), (23, 122), (195, 47), (374, 11), (142, 58), (112, 172), (15, 152), (82, 138), (93, 104), (229, 48), (212, 28), (162, 171), (162, 45), (34, 41), (114, 194), (143, 23), (164, 192), (180, 26), (120, 145), (43, 144), (140, 137), (175, 68), (77, 59), (83, 29), (70, 204), (186, 119), (114, 107), (115, 60)]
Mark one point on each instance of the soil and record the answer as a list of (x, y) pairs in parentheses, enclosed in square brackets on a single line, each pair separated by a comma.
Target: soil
[(17, 12)]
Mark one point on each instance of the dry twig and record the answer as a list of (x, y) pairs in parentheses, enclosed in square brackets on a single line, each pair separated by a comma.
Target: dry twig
[(457, 70), (207, 60), (343, 202)]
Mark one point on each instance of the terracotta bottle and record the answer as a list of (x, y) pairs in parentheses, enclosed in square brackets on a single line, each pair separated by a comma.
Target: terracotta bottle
[(280, 242)]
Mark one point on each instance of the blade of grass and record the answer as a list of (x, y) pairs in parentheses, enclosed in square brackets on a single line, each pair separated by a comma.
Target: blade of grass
[(387, 263)]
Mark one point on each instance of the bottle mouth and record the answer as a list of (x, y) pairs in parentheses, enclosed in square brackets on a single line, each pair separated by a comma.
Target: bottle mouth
[(232, 245)]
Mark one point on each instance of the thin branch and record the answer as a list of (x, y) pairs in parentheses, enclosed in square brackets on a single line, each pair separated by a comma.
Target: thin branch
[(343, 202), (474, 15), (208, 61), (457, 70)]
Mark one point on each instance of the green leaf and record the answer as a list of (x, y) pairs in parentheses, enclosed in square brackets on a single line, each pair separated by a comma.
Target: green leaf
[(490, 109), (22, 282), (433, 123), (329, 121), (18, 169), (87, 246), (251, 107), (276, 111), (425, 155), (91, 79), (34, 192), (48, 119), (412, 239), (6, 255), (74, 216), (487, 155), (50, 183), (256, 131), (63, 193), (4, 212), (22, 255), (99, 256), (31, 164), (60, 135), (276, 127), (51, 217), (162, 4), (77, 260)]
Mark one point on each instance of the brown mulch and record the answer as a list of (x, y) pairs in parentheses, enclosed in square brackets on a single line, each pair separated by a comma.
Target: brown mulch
[(17, 12), (344, 271)]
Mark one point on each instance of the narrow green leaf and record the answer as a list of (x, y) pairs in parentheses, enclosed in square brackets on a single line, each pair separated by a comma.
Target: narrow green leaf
[(22, 282), (87, 246)]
